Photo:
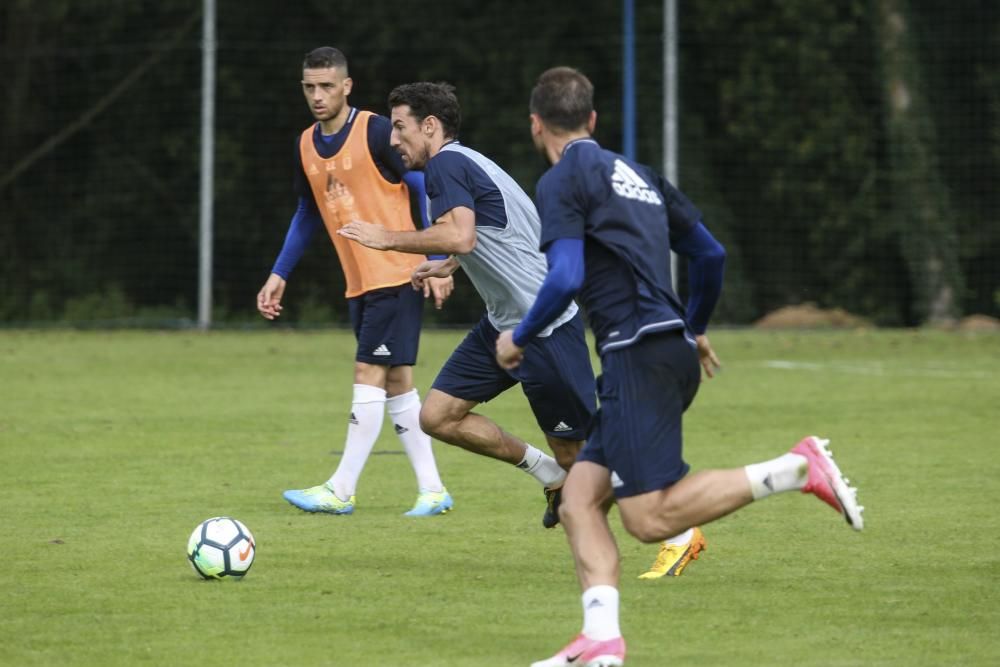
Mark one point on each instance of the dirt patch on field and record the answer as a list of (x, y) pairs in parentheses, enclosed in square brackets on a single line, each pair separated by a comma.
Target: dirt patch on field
[(978, 323), (809, 316)]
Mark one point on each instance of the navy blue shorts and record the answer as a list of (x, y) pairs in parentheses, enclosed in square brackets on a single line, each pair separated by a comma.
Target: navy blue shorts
[(644, 390), (387, 325), (555, 376)]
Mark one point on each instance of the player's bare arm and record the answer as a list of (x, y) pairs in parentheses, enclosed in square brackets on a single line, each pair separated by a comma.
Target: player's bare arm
[(269, 296), (454, 233)]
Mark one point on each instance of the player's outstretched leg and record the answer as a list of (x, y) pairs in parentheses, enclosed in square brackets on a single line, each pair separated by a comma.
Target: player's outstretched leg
[(675, 554), (319, 499), (432, 503), (586, 652), (827, 483)]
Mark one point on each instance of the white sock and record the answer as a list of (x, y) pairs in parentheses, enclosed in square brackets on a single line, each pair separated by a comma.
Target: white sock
[(600, 613), (404, 411), (542, 467), (788, 472), (683, 538), (367, 411)]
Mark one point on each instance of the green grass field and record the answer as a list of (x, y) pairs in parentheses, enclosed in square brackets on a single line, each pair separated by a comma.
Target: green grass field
[(114, 445)]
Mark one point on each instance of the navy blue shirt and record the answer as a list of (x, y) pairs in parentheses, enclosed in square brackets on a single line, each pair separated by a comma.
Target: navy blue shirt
[(626, 216), (453, 179)]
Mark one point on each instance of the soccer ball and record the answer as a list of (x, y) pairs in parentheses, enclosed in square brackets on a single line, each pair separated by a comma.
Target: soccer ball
[(221, 548)]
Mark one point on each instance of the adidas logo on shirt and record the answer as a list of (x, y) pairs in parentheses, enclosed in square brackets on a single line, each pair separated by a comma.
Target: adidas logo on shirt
[(381, 351), (626, 183), (562, 426)]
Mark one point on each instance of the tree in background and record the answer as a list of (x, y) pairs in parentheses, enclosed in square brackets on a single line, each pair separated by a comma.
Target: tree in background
[(918, 201), (789, 101), (826, 182), (98, 164)]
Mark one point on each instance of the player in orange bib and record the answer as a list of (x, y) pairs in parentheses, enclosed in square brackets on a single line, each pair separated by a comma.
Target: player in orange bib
[(349, 171)]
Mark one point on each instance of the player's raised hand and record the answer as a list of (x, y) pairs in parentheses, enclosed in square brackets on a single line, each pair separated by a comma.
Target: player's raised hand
[(366, 233), (706, 355), (439, 288), (509, 355), (269, 296)]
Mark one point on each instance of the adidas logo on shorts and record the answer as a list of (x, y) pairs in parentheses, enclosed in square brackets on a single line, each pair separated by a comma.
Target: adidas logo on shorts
[(381, 351), (626, 183), (562, 426)]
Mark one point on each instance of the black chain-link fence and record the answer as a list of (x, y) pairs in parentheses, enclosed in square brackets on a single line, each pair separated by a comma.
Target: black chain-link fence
[(845, 153)]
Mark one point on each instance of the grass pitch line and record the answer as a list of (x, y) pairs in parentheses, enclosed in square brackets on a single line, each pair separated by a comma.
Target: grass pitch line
[(871, 368)]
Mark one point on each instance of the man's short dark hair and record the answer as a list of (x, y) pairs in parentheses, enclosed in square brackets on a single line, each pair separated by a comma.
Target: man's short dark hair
[(325, 57), (430, 99), (563, 98)]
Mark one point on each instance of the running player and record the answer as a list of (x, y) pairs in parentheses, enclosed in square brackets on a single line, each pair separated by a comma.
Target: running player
[(606, 235), (489, 226)]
